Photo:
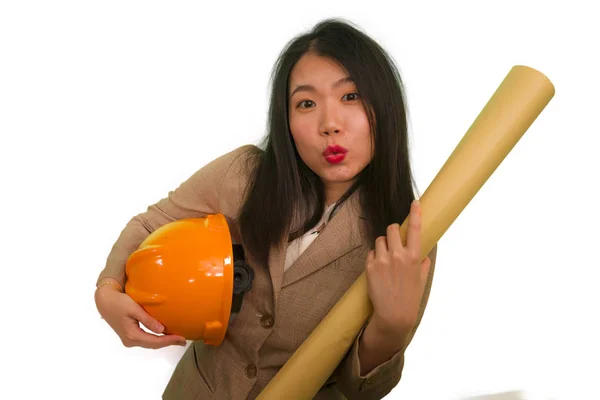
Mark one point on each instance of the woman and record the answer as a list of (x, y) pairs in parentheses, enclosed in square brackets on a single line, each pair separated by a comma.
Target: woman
[(316, 205)]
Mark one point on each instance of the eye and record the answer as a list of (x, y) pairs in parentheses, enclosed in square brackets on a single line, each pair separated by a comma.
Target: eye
[(306, 104), (351, 96)]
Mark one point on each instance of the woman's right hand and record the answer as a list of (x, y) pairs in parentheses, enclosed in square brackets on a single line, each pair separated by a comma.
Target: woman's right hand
[(124, 316)]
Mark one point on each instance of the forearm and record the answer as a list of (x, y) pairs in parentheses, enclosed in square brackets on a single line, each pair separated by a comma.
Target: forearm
[(128, 241), (379, 344)]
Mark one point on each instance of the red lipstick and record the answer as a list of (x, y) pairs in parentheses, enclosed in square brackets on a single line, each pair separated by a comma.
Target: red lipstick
[(335, 154)]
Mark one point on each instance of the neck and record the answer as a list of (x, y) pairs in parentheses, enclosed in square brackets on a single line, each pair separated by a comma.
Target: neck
[(334, 191)]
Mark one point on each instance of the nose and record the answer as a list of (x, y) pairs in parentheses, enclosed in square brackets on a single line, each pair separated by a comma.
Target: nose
[(330, 121)]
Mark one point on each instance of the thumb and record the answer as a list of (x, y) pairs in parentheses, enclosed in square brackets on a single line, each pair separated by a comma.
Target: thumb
[(147, 320), (425, 266)]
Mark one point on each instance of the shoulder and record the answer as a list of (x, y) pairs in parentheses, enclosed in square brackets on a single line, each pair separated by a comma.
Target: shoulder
[(241, 164), (238, 156), (247, 150), (245, 156), (229, 165)]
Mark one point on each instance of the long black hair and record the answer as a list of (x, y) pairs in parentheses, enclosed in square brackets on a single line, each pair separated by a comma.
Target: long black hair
[(283, 189)]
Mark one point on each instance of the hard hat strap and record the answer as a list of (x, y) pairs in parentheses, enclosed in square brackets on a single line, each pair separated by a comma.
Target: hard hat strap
[(243, 275)]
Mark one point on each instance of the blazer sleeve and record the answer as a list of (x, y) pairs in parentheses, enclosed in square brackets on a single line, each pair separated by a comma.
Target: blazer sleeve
[(200, 195), (380, 381)]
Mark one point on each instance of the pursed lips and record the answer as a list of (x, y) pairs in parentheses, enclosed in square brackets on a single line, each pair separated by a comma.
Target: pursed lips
[(334, 150), (335, 154)]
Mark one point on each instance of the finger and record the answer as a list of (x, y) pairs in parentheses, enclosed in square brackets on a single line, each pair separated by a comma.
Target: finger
[(394, 240), (150, 341), (135, 336), (371, 256), (413, 236), (149, 322), (381, 247), (370, 264)]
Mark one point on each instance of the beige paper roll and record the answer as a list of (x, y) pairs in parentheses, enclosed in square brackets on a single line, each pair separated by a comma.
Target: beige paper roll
[(515, 105)]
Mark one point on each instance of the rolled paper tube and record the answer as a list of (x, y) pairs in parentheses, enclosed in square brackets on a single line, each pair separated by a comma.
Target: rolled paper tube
[(514, 106)]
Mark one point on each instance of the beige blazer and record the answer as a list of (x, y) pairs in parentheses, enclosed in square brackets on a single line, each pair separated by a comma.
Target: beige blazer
[(281, 310)]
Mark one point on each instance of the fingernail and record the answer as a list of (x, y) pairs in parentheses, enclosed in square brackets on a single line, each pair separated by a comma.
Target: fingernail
[(159, 328), (417, 205)]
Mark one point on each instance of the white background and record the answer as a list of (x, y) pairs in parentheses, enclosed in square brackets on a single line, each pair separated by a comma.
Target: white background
[(106, 106)]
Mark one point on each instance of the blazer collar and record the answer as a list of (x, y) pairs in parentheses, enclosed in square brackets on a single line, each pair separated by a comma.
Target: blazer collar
[(342, 234)]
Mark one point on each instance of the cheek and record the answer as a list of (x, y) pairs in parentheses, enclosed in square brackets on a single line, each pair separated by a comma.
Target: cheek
[(361, 138), (362, 123), (301, 130)]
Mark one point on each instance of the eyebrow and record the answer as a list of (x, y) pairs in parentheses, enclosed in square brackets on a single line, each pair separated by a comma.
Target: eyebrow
[(310, 88)]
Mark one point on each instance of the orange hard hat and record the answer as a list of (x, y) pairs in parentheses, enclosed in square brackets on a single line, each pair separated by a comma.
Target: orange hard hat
[(190, 277)]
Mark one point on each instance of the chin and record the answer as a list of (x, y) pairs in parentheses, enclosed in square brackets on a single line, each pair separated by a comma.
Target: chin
[(338, 178)]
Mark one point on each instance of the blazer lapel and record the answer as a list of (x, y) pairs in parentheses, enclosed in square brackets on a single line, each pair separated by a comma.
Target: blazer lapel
[(276, 264), (341, 235)]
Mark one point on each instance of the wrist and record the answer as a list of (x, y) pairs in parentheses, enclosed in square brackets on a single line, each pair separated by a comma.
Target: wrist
[(109, 284), (384, 329), (378, 344)]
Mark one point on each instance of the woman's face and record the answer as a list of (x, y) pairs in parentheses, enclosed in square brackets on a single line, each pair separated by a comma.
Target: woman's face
[(328, 123)]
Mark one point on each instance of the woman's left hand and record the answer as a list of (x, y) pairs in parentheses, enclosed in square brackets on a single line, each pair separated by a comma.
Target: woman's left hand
[(396, 277)]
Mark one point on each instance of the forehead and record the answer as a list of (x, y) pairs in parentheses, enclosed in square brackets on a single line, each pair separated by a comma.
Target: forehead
[(316, 70)]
